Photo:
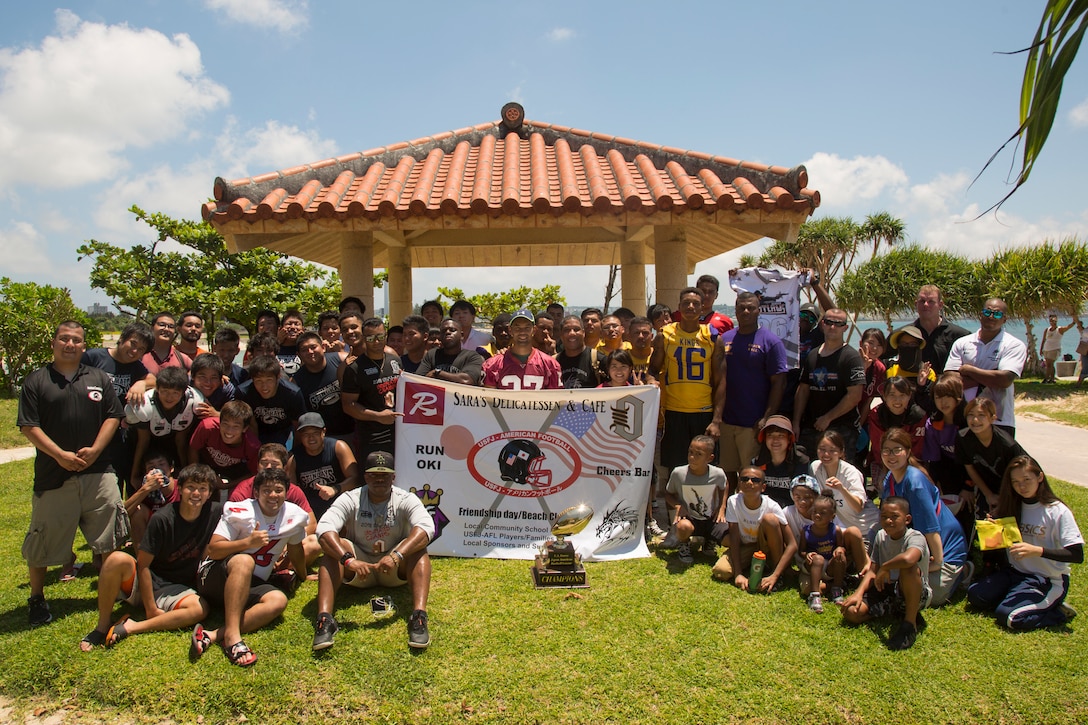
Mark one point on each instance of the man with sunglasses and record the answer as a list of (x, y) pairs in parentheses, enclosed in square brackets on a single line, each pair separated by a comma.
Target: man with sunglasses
[(367, 389), (832, 381), (989, 361)]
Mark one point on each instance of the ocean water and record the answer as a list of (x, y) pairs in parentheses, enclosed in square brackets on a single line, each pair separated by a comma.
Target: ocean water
[(1013, 327)]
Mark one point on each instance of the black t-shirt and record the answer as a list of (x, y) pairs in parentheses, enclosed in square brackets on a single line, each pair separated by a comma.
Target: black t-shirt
[(177, 544), (989, 461), (778, 476), (828, 377), (71, 413), (469, 362), (123, 375), (582, 370), (939, 344), (321, 391), (371, 380), (275, 416)]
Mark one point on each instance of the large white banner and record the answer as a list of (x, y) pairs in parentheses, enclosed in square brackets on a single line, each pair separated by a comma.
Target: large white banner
[(496, 467)]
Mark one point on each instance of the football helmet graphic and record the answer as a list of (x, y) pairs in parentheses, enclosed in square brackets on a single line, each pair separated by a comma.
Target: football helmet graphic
[(521, 461)]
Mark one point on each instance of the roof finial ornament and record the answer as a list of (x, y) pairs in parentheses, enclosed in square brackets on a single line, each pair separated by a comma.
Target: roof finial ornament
[(513, 115)]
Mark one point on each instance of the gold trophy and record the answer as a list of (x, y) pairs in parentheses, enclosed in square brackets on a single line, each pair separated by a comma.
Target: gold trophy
[(557, 565)]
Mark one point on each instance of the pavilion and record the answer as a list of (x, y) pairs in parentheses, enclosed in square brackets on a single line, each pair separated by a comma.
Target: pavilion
[(513, 192)]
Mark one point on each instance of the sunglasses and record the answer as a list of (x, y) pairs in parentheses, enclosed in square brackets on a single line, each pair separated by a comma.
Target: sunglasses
[(834, 323), (750, 479), (375, 338), (996, 314)]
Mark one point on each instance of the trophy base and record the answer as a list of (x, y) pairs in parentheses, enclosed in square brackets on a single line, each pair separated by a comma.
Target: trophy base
[(559, 579)]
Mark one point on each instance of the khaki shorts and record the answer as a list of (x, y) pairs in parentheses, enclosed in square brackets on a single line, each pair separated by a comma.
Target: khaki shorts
[(168, 596), (1050, 355), (723, 568), (392, 579), (90, 501), (943, 583), (737, 447)]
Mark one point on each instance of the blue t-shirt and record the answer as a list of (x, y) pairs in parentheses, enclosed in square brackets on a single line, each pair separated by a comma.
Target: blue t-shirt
[(751, 359), (928, 513)]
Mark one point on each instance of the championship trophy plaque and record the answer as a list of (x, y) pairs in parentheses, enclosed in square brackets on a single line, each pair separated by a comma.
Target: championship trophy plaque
[(557, 565)]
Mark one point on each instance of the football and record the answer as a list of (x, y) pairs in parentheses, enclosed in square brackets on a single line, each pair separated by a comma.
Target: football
[(572, 520)]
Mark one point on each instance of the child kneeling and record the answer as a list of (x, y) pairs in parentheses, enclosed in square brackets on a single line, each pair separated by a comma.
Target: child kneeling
[(895, 582)]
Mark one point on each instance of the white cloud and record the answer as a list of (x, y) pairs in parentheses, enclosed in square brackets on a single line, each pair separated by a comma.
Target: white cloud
[(22, 251), (1078, 116), (937, 196), (281, 15), (560, 35), (269, 148), (843, 182), (71, 107)]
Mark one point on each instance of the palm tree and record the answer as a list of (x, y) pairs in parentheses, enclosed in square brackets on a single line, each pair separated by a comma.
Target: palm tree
[(1050, 54), (882, 227), (826, 245)]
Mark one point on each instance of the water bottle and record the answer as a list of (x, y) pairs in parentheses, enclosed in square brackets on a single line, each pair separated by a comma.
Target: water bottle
[(755, 574)]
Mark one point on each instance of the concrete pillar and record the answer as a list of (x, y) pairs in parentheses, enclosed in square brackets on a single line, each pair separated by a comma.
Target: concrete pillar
[(633, 271), (357, 267), (400, 283), (670, 264)]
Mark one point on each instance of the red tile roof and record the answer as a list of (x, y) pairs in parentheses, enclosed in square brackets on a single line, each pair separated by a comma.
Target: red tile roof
[(488, 169)]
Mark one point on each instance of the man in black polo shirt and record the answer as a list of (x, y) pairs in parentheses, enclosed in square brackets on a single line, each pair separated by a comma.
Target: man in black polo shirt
[(937, 332), (69, 411)]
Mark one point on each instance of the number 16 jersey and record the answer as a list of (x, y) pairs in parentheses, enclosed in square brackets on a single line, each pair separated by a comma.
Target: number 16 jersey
[(688, 375)]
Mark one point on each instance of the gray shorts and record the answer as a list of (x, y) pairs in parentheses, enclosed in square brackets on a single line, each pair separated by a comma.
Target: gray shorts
[(392, 579), (89, 501), (943, 583), (168, 595)]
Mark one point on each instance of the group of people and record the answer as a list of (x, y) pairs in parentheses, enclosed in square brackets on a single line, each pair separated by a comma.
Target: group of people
[(244, 518)]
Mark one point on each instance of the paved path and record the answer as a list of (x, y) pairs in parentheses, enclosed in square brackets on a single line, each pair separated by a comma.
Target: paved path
[(1061, 449)]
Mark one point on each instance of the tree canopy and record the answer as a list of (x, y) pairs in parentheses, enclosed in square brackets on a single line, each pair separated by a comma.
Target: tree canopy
[(490, 304)]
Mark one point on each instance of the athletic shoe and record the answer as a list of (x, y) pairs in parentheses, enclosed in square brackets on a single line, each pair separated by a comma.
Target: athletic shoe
[(671, 541), (836, 595), (325, 629), (1068, 611), (967, 574), (815, 603), (710, 548), (418, 634), (653, 530), (904, 636), (39, 611), (683, 552)]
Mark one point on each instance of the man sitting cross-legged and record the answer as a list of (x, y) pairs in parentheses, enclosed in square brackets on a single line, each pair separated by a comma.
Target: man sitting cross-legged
[(163, 574), (376, 535), (240, 557)]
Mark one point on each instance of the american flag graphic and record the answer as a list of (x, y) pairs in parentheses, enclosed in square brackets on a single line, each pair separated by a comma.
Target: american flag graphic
[(598, 446)]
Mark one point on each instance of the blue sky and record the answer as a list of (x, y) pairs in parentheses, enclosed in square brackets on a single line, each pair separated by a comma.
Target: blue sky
[(892, 107)]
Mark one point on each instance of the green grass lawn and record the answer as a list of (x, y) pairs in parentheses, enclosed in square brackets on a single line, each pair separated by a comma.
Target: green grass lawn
[(10, 437), (652, 641)]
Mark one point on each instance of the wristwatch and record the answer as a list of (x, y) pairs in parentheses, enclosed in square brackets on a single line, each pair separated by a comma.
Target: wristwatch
[(348, 556)]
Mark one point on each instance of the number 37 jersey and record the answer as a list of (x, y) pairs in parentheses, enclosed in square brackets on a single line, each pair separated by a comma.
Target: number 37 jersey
[(241, 518), (688, 374)]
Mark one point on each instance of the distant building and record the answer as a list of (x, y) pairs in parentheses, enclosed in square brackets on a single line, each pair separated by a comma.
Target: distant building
[(97, 310)]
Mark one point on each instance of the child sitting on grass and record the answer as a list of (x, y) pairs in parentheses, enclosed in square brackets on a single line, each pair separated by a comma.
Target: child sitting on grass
[(157, 489), (756, 523), (822, 550), (696, 494), (1030, 592), (896, 583)]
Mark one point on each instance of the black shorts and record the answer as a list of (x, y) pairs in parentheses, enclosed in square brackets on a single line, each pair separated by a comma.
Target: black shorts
[(680, 428), (211, 580)]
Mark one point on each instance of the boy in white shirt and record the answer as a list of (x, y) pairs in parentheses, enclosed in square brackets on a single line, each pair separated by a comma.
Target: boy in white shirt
[(756, 523)]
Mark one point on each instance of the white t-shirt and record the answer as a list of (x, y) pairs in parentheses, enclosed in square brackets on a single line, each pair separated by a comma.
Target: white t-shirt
[(1004, 352), (747, 519), (780, 303), (288, 526), (1050, 526), (697, 492), (854, 482)]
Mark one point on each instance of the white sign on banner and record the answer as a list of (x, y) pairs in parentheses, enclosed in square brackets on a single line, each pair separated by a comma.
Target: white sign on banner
[(496, 467)]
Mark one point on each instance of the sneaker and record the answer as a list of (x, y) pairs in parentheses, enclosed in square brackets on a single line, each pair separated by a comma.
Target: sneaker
[(418, 634), (683, 552), (671, 540), (904, 636), (325, 630), (815, 603), (653, 530), (920, 622), (710, 548), (39, 611), (836, 595), (967, 574), (1068, 611)]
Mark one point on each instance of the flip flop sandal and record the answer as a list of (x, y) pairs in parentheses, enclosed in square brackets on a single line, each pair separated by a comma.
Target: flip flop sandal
[(94, 638), (117, 632), (239, 654), (199, 643), (70, 572)]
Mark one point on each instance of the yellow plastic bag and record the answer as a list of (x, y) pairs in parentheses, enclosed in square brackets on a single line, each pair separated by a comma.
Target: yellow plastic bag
[(998, 533)]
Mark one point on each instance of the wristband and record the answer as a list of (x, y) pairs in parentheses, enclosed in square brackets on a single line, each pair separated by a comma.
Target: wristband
[(348, 556), (336, 487), (400, 556)]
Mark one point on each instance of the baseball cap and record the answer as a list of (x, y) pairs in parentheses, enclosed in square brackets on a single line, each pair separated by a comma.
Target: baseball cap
[(379, 462), (805, 481), (310, 420), (525, 315), (811, 308), (776, 421)]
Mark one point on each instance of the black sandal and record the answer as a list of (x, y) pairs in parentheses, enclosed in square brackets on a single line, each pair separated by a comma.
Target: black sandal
[(94, 638), (199, 643), (117, 632), (240, 654)]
